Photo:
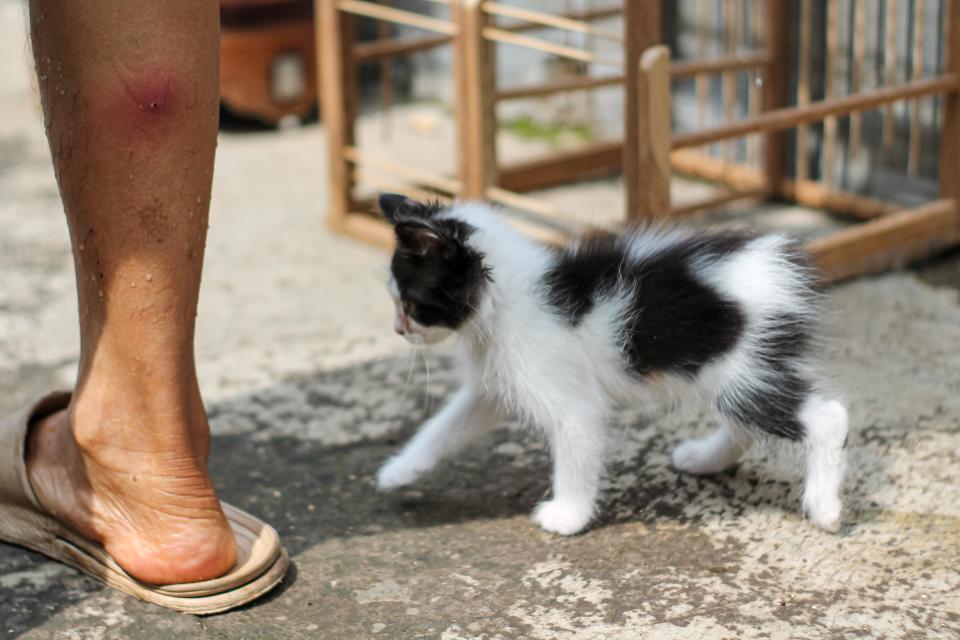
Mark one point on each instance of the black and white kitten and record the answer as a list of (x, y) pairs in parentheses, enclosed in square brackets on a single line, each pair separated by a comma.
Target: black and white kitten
[(561, 337)]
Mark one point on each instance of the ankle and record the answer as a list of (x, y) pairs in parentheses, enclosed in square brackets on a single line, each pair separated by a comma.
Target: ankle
[(133, 416)]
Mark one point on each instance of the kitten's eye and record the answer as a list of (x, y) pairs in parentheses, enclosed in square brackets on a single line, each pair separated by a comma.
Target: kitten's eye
[(410, 307)]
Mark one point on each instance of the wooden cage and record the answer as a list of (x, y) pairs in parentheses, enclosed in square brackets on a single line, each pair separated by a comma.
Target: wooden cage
[(649, 152)]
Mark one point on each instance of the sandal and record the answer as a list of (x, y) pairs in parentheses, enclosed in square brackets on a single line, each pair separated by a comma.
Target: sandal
[(261, 560)]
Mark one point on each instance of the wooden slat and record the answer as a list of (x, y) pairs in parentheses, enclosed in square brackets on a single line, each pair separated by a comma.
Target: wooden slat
[(856, 76), (696, 163), (807, 193), (803, 85), (387, 96), (776, 90), (390, 47), (913, 153), (703, 80), (830, 122), (548, 20), (383, 183), (596, 160), (889, 66), (728, 81), (594, 13), (680, 69), (791, 117), (399, 16), (641, 25), (559, 50), (375, 49), (754, 90), (401, 170), (950, 133), (816, 195), (336, 83), (653, 132), (888, 242), (366, 228), (719, 64)]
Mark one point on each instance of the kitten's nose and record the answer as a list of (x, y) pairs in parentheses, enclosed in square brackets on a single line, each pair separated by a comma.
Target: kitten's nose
[(400, 325)]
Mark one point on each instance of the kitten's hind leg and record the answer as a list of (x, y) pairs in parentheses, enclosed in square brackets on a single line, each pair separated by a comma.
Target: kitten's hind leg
[(825, 434), (467, 415), (796, 412), (713, 454)]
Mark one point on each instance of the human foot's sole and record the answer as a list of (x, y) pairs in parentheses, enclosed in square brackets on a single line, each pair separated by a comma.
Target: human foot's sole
[(261, 560)]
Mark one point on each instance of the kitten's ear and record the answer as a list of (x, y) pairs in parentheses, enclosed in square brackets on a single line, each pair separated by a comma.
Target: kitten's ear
[(393, 205), (420, 240)]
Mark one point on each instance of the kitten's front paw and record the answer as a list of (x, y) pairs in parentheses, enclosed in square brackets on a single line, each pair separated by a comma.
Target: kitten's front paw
[(565, 518), (396, 473)]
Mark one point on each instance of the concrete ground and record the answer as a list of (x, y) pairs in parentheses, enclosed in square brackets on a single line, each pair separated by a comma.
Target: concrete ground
[(309, 391)]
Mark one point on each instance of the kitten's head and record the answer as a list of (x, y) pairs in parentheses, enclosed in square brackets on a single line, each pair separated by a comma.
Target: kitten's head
[(437, 278)]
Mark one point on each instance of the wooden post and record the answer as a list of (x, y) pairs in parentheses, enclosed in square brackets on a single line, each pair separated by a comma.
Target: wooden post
[(641, 30), (702, 79), (387, 97), (337, 86), (859, 49), (755, 90), (775, 90), (803, 85), (830, 123), (728, 81), (950, 137), (653, 130), (475, 70), (889, 67), (913, 156)]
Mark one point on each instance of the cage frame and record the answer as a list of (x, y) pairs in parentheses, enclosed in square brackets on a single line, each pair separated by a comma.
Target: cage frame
[(884, 236)]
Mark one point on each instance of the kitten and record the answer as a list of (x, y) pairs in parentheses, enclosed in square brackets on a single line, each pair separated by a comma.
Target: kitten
[(561, 337)]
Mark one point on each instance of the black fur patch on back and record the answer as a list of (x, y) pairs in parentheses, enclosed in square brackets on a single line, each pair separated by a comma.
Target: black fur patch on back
[(677, 323), (581, 274)]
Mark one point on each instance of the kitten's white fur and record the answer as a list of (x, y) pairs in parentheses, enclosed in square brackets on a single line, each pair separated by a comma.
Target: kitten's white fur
[(519, 358)]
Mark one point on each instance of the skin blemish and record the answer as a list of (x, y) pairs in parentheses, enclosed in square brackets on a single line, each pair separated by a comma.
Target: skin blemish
[(142, 105), (151, 92), (151, 99)]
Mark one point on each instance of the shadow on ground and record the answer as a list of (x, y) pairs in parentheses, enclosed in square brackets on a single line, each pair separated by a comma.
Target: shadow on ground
[(302, 456), (459, 547)]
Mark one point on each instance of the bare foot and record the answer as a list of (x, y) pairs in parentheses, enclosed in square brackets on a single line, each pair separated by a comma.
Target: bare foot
[(127, 468)]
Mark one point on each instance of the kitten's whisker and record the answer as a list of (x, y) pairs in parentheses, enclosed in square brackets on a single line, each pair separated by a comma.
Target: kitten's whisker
[(426, 389), (411, 358)]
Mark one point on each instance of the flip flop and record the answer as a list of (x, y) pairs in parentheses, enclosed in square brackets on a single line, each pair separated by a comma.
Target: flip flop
[(261, 560)]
